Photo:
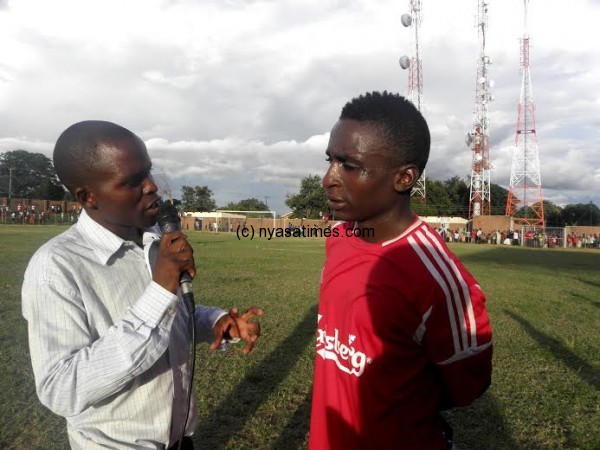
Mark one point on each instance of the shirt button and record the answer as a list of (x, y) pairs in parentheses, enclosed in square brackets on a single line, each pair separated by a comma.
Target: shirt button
[(172, 310)]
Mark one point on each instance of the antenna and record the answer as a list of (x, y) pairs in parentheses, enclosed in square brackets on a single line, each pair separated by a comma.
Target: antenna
[(478, 138), (525, 199), (415, 79)]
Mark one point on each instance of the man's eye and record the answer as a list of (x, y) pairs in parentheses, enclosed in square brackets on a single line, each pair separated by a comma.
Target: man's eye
[(139, 179), (134, 182), (348, 166)]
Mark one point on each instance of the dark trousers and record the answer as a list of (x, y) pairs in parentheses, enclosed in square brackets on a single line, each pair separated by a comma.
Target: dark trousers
[(186, 444), (448, 433)]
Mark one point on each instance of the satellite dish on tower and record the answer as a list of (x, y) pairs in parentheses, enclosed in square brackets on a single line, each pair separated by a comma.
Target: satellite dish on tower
[(469, 138), (406, 20), (404, 62)]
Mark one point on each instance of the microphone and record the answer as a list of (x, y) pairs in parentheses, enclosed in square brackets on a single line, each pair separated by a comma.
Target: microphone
[(169, 221)]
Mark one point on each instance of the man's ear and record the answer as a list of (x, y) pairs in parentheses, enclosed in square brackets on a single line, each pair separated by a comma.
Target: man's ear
[(405, 177), (86, 197)]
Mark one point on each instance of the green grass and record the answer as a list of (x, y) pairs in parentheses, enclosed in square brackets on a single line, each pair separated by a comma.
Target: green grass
[(545, 312)]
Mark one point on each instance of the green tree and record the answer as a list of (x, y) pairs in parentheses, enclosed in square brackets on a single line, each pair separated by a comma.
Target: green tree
[(443, 198), (29, 175), (581, 214), (423, 210), (451, 198), (248, 204), (553, 214), (499, 197), (197, 198), (310, 201), (438, 197), (458, 191)]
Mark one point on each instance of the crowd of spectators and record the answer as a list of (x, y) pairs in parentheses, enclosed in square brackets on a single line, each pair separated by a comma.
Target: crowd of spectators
[(478, 236), (32, 214), (531, 238), (583, 240)]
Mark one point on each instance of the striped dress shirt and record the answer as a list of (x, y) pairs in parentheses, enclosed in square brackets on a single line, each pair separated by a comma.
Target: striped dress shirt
[(109, 346)]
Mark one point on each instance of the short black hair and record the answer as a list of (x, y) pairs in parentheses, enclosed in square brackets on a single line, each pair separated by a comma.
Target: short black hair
[(401, 124), (77, 149)]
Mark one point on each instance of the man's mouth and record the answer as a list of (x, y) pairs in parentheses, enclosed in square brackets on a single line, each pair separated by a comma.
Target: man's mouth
[(335, 203), (153, 207)]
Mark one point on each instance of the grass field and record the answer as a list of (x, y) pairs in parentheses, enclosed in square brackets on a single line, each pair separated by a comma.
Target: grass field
[(545, 312)]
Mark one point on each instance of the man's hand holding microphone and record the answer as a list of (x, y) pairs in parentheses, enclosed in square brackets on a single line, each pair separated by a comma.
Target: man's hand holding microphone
[(175, 267)]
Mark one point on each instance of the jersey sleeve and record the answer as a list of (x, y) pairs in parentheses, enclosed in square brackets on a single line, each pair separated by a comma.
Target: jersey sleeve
[(455, 329), (458, 340)]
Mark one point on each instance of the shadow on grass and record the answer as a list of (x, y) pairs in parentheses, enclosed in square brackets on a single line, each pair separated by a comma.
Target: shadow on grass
[(238, 407), (583, 280), (197, 240), (522, 256), (481, 426), (294, 433), (581, 367), (583, 298)]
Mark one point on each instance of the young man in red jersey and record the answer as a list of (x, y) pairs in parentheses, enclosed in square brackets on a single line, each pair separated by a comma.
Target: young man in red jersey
[(403, 332)]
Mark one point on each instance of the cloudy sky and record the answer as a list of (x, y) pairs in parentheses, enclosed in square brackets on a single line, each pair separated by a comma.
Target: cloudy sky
[(240, 95)]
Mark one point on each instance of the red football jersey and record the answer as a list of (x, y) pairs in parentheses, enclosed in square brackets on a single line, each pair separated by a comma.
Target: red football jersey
[(402, 334)]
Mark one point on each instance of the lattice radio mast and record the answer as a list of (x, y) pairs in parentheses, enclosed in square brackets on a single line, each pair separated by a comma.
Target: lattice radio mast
[(415, 79), (478, 137), (525, 199)]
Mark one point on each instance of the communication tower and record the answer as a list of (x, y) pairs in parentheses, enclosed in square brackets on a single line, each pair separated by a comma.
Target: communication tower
[(478, 138), (415, 78), (525, 199)]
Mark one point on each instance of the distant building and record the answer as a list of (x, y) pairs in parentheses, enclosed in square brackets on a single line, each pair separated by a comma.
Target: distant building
[(445, 222)]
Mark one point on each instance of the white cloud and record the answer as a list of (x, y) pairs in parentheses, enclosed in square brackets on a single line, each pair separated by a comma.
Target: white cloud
[(24, 143), (240, 95)]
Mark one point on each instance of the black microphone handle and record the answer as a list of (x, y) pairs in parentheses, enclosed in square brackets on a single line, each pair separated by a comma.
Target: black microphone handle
[(185, 282)]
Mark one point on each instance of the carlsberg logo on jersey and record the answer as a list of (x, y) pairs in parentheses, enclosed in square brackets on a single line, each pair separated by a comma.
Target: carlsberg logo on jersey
[(345, 356)]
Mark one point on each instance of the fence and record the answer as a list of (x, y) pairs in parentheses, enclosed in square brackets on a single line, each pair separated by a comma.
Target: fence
[(231, 224), (36, 211), (537, 237)]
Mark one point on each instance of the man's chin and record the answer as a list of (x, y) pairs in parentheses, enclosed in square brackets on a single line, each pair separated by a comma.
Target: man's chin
[(343, 215), (148, 221)]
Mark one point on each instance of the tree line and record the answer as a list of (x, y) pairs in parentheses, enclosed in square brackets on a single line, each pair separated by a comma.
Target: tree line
[(31, 175), (448, 198)]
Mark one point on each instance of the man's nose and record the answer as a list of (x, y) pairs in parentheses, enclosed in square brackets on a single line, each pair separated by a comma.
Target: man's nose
[(331, 177), (149, 185)]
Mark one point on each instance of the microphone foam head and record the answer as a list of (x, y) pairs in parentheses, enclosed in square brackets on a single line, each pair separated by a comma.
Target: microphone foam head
[(168, 218)]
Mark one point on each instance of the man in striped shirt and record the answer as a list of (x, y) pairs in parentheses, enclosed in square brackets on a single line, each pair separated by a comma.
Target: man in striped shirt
[(109, 334), (403, 332)]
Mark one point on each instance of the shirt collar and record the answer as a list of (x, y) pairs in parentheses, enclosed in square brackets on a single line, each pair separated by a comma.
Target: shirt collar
[(105, 243)]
